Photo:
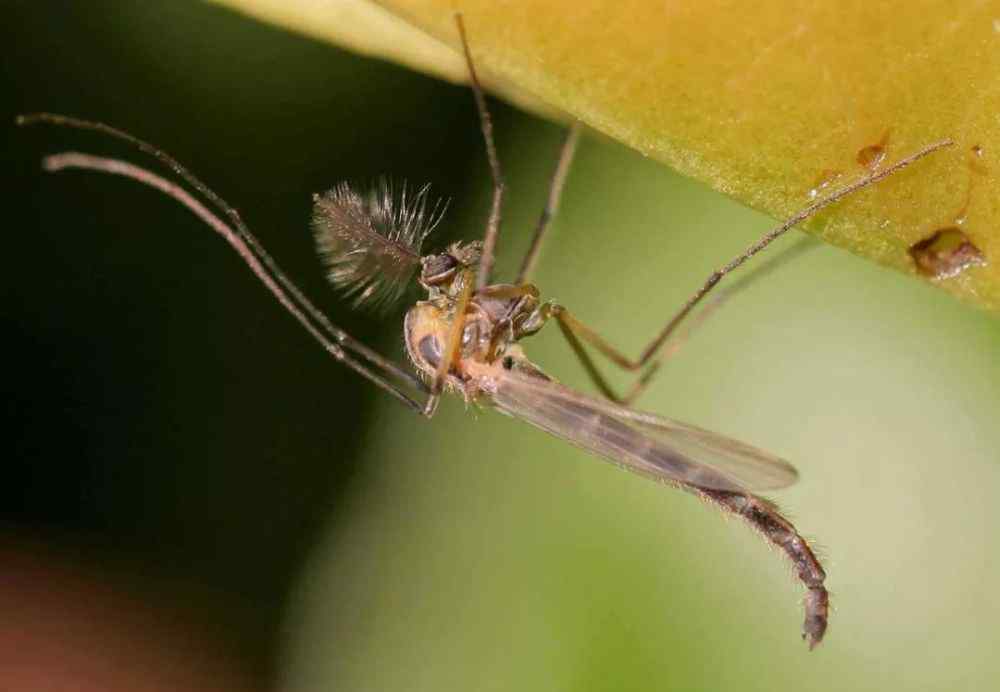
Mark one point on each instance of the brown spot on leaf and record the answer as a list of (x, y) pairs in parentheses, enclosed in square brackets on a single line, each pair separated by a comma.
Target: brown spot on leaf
[(945, 253), (872, 156)]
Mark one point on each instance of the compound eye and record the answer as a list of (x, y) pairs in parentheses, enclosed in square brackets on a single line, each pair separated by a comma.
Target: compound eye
[(438, 269), (430, 350)]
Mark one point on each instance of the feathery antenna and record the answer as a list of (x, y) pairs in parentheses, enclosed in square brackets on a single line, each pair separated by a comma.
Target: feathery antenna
[(371, 244)]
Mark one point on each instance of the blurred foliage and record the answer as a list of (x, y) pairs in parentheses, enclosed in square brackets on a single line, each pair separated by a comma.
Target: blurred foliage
[(171, 424), (765, 105)]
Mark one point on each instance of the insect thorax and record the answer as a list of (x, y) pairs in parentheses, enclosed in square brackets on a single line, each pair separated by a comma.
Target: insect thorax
[(495, 317)]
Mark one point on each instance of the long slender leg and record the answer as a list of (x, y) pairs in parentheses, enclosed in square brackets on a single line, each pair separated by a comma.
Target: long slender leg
[(552, 203), (486, 125), (648, 355), (251, 241), (677, 341), (776, 233), (452, 348), (643, 380), (68, 160)]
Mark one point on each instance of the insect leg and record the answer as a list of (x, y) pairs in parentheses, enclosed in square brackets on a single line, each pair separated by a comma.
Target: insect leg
[(652, 355), (335, 347), (236, 220), (573, 330), (568, 323), (486, 125), (452, 348), (716, 276), (552, 203)]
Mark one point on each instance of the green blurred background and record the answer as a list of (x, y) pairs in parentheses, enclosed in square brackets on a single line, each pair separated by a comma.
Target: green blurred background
[(173, 433)]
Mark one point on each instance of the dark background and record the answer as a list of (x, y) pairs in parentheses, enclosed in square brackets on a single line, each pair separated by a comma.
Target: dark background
[(163, 415)]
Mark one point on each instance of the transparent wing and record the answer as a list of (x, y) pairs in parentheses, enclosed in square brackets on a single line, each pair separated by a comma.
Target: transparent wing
[(649, 445)]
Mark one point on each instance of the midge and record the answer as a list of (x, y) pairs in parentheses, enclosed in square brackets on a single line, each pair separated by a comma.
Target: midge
[(464, 338)]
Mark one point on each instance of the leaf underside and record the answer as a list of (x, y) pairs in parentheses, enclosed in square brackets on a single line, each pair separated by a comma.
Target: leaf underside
[(765, 103)]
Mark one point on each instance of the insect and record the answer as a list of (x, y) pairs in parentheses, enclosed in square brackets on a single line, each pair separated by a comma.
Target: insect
[(465, 337)]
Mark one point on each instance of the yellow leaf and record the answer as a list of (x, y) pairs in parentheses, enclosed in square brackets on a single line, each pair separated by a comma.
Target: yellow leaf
[(765, 102)]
